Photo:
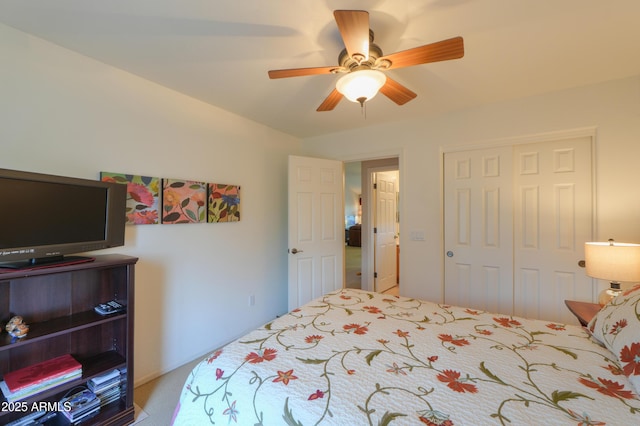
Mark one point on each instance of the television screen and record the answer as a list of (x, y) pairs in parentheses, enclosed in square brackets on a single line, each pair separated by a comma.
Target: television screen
[(73, 213), (46, 216)]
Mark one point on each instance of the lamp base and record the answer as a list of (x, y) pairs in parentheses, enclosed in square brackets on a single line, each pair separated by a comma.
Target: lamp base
[(607, 294)]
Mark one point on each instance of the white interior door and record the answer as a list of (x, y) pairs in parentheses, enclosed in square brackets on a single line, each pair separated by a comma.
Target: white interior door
[(316, 228), (478, 229), (553, 220), (385, 190), (516, 220)]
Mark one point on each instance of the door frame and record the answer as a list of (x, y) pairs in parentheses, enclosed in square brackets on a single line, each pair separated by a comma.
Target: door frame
[(371, 172), (367, 194), (519, 140)]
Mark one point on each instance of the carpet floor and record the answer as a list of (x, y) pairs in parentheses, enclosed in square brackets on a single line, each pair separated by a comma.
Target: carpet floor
[(353, 266)]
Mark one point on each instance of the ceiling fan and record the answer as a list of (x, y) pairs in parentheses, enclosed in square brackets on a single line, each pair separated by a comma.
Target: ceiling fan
[(362, 63)]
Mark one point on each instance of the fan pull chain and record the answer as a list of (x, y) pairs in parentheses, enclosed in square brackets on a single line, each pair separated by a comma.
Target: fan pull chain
[(363, 107)]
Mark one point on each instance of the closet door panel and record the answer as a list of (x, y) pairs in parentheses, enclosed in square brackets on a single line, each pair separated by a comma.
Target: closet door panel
[(478, 228), (553, 220)]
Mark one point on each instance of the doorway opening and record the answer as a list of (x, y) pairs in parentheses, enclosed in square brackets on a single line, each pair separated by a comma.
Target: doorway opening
[(371, 192)]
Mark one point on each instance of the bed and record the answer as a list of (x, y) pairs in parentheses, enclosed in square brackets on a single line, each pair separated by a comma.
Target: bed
[(353, 357)]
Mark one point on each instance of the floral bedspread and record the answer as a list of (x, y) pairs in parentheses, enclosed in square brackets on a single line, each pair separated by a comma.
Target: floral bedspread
[(359, 358)]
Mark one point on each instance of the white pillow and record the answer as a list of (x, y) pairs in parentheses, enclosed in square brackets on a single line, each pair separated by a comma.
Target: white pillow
[(617, 327)]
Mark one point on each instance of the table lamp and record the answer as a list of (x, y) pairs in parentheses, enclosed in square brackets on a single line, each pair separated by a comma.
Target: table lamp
[(614, 262)]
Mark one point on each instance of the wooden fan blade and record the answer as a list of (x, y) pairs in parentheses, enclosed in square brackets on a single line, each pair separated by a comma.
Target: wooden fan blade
[(331, 101), (298, 72), (397, 92), (444, 50), (354, 29)]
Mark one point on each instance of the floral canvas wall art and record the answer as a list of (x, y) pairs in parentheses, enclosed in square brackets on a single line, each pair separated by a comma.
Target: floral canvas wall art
[(142, 196), (224, 203), (183, 201)]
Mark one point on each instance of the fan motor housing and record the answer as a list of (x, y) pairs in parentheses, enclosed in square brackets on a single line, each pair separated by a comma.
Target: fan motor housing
[(351, 63)]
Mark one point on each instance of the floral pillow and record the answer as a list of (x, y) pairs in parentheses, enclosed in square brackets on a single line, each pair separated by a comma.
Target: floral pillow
[(617, 326)]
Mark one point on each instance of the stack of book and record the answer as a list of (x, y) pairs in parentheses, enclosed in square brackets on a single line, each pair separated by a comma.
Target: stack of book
[(107, 386), (80, 406), (28, 381)]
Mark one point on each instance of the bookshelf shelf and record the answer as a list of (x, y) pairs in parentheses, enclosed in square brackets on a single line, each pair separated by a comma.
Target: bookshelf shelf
[(57, 303)]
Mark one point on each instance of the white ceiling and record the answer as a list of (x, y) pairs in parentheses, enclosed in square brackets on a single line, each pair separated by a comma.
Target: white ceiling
[(219, 51)]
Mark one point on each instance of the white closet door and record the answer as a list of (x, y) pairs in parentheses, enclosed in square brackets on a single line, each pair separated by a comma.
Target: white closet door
[(478, 229), (516, 220), (553, 220)]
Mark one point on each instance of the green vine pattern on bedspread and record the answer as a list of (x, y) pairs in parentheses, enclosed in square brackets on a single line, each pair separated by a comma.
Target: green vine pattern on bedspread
[(359, 358)]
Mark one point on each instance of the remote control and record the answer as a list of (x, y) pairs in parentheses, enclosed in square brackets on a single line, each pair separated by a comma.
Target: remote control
[(110, 307)]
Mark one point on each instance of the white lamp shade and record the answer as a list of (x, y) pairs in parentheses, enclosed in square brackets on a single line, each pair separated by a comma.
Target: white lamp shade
[(361, 86), (618, 262)]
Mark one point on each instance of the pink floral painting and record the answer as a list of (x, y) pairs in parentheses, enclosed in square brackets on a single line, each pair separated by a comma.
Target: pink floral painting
[(183, 201), (142, 196), (224, 203)]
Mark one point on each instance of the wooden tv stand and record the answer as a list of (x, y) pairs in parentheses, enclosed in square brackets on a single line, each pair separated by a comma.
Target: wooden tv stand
[(57, 303)]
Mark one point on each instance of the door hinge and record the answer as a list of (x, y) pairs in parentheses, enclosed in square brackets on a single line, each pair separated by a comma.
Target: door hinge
[(375, 275), (375, 186), (375, 230)]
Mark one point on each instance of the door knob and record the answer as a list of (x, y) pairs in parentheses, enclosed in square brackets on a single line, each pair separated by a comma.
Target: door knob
[(449, 253), (582, 263), (295, 250)]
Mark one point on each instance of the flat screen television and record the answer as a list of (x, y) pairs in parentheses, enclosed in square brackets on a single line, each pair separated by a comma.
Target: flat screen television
[(44, 218)]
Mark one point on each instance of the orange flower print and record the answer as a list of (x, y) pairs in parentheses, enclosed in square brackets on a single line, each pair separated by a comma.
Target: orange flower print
[(607, 387), (372, 309), (451, 378), (507, 322), (630, 357), (356, 328), (558, 327), (447, 338), (214, 355), (472, 312), (401, 333), (262, 355), (614, 369), (285, 377), (486, 332), (314, 338), (617, 327)]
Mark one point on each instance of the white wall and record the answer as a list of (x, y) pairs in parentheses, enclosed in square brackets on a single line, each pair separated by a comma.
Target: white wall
[(63, 113), (613, 108)]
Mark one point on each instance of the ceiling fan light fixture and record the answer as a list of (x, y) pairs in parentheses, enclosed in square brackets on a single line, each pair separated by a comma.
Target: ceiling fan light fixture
[(361, 86)]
